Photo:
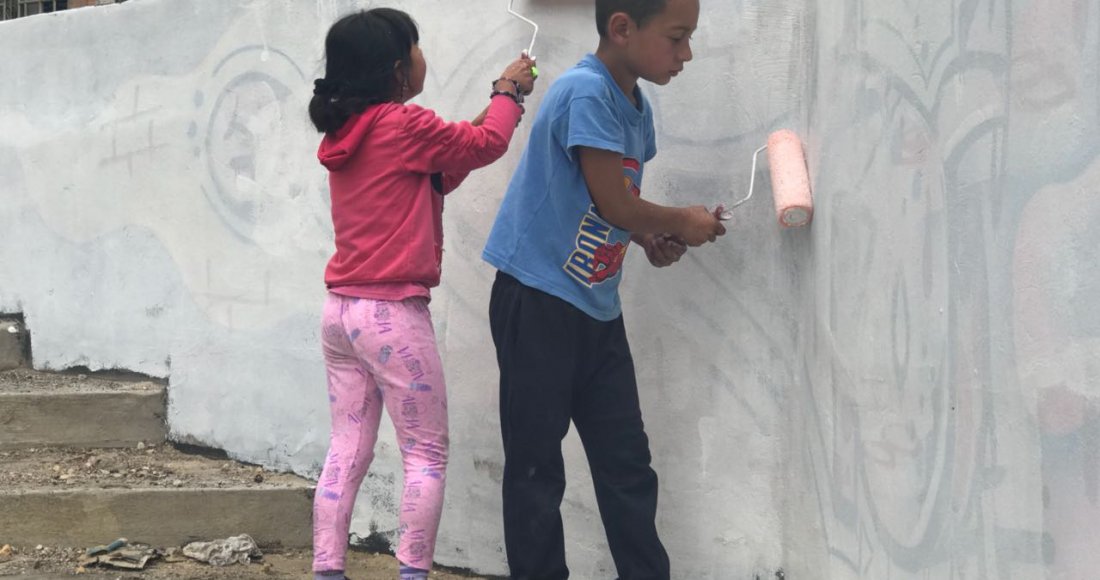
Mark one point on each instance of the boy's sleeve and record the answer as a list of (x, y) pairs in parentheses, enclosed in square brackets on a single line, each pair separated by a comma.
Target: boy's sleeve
[(592, 122)]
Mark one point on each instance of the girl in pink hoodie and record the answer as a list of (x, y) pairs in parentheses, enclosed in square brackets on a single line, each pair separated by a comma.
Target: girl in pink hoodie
[(390, 165)]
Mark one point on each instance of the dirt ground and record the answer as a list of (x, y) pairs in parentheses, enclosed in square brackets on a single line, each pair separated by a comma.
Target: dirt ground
[(29, 381), (144, 466), (56, 563)]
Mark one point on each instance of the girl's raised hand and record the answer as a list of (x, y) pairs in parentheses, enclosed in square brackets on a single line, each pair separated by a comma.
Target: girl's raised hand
[(520, 71)]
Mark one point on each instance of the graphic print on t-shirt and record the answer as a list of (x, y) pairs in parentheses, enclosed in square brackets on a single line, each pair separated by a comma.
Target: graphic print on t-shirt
[(596, 259)]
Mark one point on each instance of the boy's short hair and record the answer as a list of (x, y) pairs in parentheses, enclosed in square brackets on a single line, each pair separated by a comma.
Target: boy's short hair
[(641, 11)]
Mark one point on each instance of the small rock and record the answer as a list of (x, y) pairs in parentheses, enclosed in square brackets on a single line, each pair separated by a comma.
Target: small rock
[(56, 467), (259, 478), (178, 483), (116, 475), (141, 445), (82, 377), (39, 547), (5, 553)]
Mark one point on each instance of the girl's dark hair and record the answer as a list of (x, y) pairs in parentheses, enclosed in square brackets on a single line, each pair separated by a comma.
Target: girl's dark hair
[(642, 11), (360, 51)]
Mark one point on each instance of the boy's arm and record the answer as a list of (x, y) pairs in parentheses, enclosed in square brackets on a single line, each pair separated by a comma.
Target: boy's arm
[(603, 172), (661, 249)]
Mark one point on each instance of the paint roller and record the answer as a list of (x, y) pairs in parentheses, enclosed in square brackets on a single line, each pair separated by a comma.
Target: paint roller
[(530, 52), (794, 204)]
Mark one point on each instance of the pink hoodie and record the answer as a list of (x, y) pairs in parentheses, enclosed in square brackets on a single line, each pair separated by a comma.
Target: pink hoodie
[(387, 214)]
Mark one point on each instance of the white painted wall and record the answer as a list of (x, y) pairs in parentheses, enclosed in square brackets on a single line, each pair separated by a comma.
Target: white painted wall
[(946, 417), (164, 213), (906, 390)]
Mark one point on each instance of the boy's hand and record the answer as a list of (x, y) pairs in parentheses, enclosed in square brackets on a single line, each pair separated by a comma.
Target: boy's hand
[(700, 226), (662, 249)]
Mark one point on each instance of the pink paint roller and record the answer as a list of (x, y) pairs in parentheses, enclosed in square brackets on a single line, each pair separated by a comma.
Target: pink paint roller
[(794, 204)]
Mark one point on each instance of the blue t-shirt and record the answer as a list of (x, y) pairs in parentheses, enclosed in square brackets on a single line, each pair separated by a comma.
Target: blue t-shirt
[(548, 233)]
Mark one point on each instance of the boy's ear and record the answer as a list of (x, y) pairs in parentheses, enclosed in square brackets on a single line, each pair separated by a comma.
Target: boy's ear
[(619, 27)]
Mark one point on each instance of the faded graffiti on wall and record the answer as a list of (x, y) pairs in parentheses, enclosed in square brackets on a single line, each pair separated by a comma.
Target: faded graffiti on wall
[(951, 400), (945, 406)]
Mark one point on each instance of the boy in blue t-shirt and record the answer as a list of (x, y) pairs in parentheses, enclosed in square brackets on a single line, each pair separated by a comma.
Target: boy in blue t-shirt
[(559, 241)]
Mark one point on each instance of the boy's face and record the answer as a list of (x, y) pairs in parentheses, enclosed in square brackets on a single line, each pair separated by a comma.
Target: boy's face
[(657, 51)]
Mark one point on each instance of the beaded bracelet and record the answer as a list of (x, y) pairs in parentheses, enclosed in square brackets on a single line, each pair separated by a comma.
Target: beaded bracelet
[(517, 96), (519, 91)]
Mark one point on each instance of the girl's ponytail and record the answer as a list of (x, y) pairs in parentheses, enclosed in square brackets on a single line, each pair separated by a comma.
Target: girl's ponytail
[(331, 107)]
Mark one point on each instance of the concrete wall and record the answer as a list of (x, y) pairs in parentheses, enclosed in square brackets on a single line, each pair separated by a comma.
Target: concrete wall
[(946, 417), (187, 240), (905, 390)]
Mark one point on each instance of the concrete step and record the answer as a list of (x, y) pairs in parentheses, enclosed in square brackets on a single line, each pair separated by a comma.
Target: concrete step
[(156, 495), (62, 409)]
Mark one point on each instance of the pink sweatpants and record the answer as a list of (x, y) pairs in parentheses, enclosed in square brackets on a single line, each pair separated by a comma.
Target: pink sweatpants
[(381, 353)]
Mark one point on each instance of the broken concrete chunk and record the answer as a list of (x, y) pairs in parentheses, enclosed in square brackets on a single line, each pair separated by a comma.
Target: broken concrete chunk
[(174, 555), (234, 550), (97, 550), (120, 554)]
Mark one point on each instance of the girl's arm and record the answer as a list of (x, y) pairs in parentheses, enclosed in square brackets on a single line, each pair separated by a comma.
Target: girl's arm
[(480, 119), (449, 151), (444, 183), (431, 145)]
